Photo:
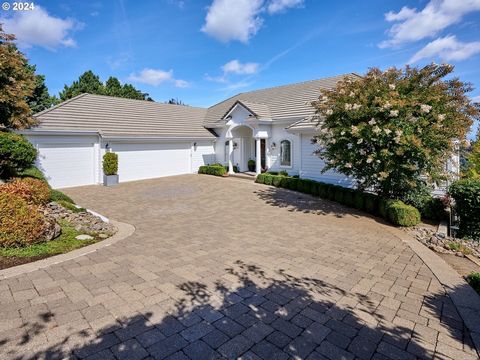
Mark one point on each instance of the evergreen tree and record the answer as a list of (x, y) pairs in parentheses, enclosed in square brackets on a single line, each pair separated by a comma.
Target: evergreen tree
[(88, 82), (40, 99)]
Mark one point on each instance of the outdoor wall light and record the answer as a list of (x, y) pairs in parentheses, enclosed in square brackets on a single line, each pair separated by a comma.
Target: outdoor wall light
[(107, 145), (194, 146), (235, 145), (273, 146)]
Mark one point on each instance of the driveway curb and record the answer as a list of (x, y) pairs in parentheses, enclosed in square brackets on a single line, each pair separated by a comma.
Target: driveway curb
[(465, 299), (124, 231)]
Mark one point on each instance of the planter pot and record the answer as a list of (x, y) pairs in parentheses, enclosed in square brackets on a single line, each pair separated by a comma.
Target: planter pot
[(251, 167), (110, 180)]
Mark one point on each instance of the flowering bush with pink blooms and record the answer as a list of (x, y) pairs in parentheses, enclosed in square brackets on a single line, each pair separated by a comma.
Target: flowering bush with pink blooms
[(392, 129)]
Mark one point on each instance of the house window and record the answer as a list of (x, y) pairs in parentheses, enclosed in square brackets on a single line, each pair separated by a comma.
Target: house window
[(285, 153)]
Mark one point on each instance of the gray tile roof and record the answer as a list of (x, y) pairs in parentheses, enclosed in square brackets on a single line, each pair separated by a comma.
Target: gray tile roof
[(283, 102), (114, 116)]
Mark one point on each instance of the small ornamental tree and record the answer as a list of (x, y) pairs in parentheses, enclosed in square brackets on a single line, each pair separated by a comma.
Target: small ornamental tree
[(17, 83), (389, 129)]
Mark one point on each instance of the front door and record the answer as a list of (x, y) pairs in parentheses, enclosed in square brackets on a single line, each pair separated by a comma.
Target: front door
[(263, 152)]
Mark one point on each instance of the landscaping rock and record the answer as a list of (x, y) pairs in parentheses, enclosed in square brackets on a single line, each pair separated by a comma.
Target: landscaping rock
[(444, 244), (53, 230), (82, 221), (84, 237)]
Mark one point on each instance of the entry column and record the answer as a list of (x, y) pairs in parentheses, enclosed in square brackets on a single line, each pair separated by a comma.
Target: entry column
[(230, 156), (258, 159)]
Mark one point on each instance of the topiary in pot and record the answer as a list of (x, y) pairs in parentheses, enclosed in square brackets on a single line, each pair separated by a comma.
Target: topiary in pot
[(110, 169), (251, 165)]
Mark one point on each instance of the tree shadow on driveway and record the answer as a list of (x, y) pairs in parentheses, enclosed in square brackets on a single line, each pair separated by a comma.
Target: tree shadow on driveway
[(256, 312), (298, 202)]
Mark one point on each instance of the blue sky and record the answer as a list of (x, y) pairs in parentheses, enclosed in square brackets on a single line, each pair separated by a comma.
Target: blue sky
[(205, 51)]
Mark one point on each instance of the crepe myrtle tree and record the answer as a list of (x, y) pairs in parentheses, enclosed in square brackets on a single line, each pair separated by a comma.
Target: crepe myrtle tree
[(391, 129)]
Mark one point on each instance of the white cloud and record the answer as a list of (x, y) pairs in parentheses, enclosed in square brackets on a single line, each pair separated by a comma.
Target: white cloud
[(476, 99), (156, 77), (276, 6), (233, 19), (437, 15), (447, 48), (38, 28), (240, 20), (236, 67)]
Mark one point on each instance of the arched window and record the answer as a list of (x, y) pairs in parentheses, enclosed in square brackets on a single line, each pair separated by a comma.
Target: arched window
[(285, 153)]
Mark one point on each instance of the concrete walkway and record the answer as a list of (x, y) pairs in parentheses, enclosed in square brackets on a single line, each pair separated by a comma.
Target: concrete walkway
[(228, 269)]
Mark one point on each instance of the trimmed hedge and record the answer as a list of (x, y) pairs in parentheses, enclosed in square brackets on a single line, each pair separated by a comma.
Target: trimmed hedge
[(394, 211), (217, 170), (466, 193)]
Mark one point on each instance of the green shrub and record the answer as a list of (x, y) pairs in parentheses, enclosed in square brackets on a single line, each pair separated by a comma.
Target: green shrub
[(33, 191), (338, 194), (110, 163), (32, 172), (251, 165), (57, 196), (277, 180), (268, 179), (371, 203), (292, 183), (322, 190), (283, 173), (68, 205), (474, 280), (272, 172), (359, 200), (399, 213), (466, 193), (383, 205), (16, 154), (433, 209), (348, 197), (216, 170), (20, 223), (260, 178)]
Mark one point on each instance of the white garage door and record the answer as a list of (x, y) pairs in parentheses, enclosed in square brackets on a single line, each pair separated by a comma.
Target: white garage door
[(146, 161), (67, 165)]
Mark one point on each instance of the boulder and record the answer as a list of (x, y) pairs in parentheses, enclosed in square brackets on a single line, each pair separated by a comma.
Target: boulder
[(84, 237)]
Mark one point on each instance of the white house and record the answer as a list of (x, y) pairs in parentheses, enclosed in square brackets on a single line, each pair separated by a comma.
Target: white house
[(270, 126)]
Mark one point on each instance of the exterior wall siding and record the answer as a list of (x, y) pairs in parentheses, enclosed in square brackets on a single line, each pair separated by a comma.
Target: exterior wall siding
[(202, 154), (312, 166)]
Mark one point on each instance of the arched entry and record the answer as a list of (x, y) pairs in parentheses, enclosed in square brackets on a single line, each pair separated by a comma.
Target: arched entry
[(244, 146)]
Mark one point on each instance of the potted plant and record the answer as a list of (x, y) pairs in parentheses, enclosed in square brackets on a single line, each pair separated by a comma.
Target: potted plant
[(251, 165), (110, 169)]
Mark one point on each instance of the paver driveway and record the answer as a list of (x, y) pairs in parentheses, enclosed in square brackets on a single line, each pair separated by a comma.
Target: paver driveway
[(227, 268)]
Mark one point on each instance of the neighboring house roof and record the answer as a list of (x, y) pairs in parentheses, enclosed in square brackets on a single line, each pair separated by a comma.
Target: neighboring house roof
[(287, 102), (120, 117)]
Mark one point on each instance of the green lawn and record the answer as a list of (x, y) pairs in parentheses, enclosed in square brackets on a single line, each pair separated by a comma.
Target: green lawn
[(64, 243)]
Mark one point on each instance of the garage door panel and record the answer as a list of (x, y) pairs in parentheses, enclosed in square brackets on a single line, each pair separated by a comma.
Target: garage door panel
[(67, 165), (146, 161)]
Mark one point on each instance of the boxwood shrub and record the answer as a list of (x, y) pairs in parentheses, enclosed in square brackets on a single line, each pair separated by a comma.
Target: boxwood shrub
[(399, 213), (466, 193), (394, 211), (217, 170), (110, 163)]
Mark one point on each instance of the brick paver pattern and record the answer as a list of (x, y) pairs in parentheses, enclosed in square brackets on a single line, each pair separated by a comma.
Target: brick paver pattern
[(224, 268)]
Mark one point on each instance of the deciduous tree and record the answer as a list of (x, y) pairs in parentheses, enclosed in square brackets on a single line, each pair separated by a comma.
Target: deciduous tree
[(392, 129), (16, 85)]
